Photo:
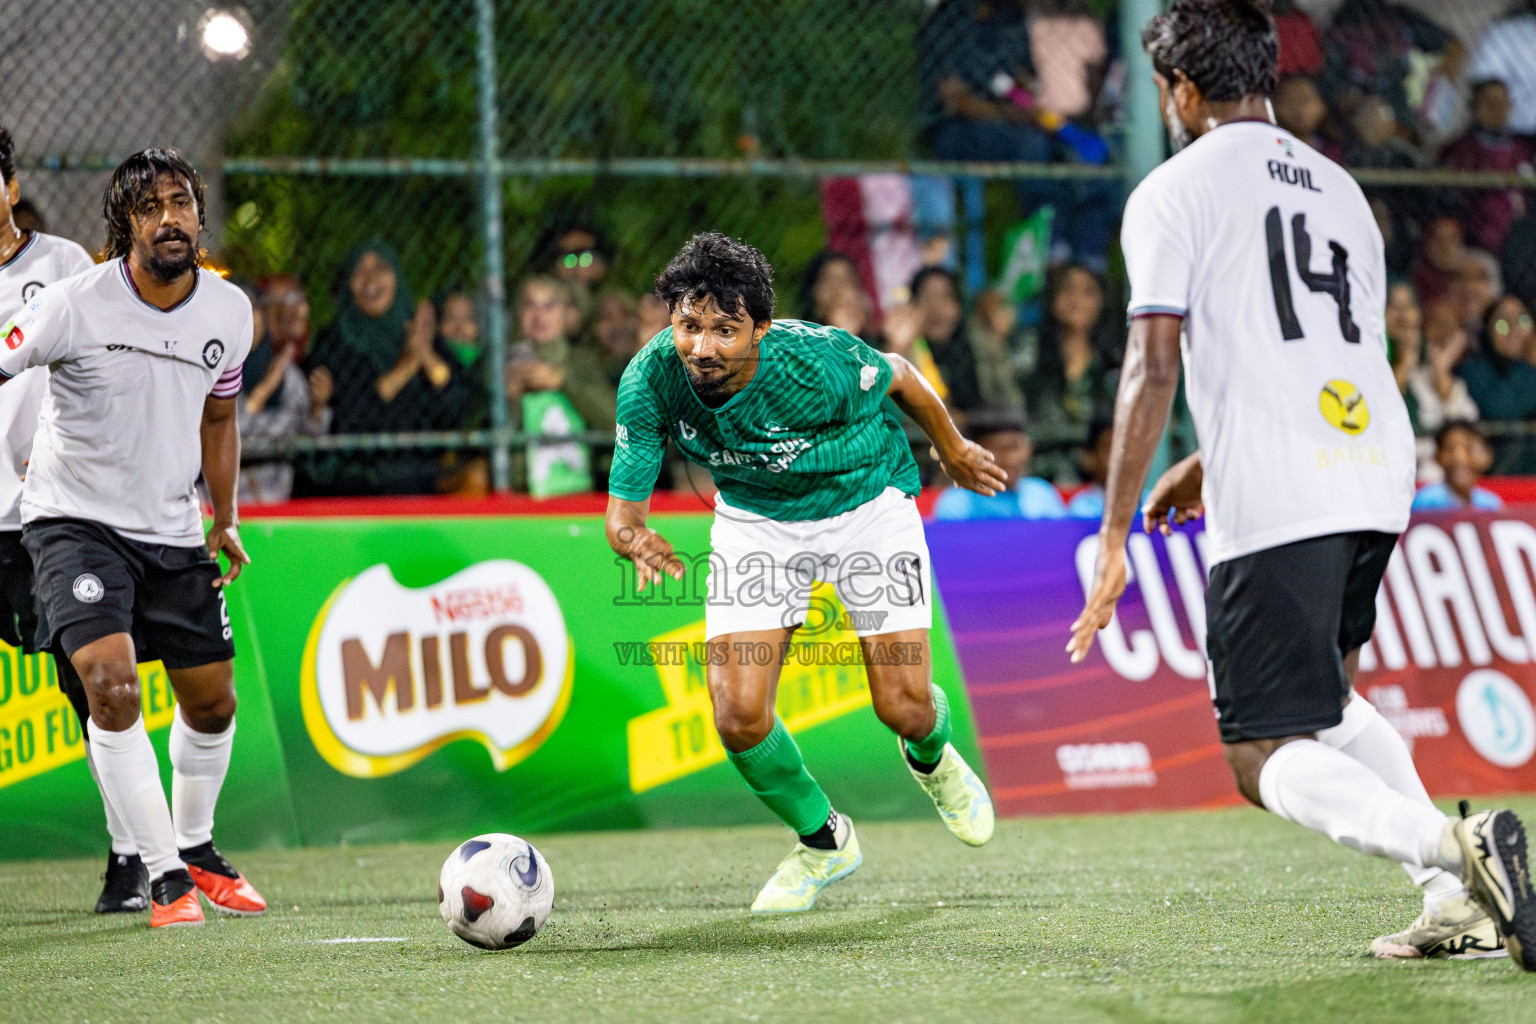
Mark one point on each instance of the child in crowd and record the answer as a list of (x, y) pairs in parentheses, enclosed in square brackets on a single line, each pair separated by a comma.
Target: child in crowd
[(1464, 455), (1004, 433)]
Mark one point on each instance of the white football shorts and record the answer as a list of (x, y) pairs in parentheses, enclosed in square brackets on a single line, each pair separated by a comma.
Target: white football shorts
[(762, 571)]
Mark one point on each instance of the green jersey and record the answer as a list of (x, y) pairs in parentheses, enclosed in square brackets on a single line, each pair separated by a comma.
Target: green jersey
[(805, 439)]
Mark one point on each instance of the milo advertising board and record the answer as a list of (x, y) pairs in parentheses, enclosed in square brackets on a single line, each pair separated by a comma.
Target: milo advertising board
[(437, 677)]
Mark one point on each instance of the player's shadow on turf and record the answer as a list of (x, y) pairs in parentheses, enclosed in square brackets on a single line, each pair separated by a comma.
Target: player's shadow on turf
[(831, 926)]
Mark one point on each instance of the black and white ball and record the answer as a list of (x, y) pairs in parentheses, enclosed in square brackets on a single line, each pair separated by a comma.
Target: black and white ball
[(495, 891)]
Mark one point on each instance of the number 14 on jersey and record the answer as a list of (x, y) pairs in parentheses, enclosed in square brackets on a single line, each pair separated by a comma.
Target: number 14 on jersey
[(1334, 282)]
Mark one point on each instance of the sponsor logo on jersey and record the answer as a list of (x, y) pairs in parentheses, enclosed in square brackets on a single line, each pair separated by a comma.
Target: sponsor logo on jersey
[(30, 289), (686, 432), (391, 673), (621, 436), (1496, 717), (88, 588), (867, 377), (13, 336), (1344, 407), (212, 352)]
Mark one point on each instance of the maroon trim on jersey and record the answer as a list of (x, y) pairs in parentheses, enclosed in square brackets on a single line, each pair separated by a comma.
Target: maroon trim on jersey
[(31, 237), (135, 289)]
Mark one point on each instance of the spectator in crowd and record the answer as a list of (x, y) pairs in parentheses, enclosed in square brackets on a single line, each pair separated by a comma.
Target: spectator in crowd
[(902, 334), (287, 306), (1070, 55), (1301, 48), (459, 345), (580, 256), (616, 333), (831, 294), (1443, 111), (978, 104), (1367, 52), (1464, 457), (1300, 110), (1442, 251), (1396, 235), (1093, 467), (1439, 394), (1501, 381), (1478, 283), (995, 335), (655, 317), (543, 359), (388, 375), (941, 326), (1519, 264), (1374, 141), (1504, 51), (1074, 375), (1004, 433), (276, 402), (1489, 146)]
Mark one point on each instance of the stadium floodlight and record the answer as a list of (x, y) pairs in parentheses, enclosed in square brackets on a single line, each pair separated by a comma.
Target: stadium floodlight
[(225, 34)]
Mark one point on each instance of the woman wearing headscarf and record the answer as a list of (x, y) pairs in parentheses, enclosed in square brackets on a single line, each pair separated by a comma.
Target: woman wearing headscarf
[(386, 372), (277, 402)]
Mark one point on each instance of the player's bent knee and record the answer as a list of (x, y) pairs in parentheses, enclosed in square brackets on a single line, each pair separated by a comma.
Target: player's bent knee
[(211, 713), (113, 689), (906, 717), (740, 729), (1246, 759)]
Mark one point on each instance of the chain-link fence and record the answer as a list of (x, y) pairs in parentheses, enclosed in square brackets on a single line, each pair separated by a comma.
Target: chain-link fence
[(450, 211)]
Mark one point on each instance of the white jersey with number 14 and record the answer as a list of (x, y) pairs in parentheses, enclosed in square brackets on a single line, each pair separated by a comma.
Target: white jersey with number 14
[(1270, 253)]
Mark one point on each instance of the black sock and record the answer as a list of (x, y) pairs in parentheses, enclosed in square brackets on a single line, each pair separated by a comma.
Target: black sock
[(824, 838), (922, 766)]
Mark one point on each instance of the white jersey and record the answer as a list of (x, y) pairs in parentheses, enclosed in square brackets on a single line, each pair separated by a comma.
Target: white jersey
[(119, 442), (41, 260), (1270, 253)]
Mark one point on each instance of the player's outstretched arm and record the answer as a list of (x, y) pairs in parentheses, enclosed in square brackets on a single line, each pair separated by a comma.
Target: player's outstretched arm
[(1148, 381), (1176, 497), (632, 539), (966, 462), (221, 471)]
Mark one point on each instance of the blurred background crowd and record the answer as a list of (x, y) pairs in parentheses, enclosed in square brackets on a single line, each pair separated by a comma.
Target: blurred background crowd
[(1005, 290)]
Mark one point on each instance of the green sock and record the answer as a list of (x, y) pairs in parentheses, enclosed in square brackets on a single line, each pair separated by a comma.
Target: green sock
[(775, 771), (929, 749)]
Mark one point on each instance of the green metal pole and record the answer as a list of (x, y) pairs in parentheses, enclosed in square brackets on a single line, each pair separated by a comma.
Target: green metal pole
[(495, 282), (1143, 121)]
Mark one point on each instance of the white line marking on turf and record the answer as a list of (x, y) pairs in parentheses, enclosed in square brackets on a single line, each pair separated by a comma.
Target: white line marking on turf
[(360, 938)]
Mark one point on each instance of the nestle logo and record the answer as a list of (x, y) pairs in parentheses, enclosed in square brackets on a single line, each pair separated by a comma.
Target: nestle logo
[(477, 603)]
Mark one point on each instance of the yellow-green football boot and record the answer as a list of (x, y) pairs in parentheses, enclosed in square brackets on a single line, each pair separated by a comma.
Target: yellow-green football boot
[(1455, 928), (806, 871), (959, 795)]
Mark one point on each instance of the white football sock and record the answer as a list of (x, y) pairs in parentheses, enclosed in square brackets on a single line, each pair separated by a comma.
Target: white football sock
[(1367, 736), (122, 843), (1330, 792), (199, 761), (130, 776)]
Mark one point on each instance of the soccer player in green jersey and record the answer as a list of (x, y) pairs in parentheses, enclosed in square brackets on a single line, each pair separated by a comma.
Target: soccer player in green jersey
[(816, 483)]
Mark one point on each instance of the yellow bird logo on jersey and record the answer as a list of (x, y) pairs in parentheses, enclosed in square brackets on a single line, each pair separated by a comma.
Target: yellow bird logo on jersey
[(1344, 406)]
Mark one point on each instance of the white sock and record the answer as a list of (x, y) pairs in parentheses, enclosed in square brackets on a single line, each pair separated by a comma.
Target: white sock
[(130, 776), (122, 843), (198, 763), (1330, 792), (1369, 738)]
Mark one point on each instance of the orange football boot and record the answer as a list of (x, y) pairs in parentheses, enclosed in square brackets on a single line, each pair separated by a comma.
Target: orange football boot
[(225, 887), (173, 901)]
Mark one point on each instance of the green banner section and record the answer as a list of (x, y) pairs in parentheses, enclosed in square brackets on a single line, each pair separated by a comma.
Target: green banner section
[(431, 678)]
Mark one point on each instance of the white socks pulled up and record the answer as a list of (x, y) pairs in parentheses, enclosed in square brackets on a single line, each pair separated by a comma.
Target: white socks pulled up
[(199, 761), (130, 777)]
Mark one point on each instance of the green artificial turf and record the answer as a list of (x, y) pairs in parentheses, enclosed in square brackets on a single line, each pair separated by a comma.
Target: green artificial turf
[(1216, 916)]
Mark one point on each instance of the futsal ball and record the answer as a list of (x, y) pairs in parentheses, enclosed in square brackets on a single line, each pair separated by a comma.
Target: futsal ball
[(495, 891)]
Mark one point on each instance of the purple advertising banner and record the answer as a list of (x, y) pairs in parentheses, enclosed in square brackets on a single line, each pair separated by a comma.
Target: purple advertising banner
[(1132, 727)]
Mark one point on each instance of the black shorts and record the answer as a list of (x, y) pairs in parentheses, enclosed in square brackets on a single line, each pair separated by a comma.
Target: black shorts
[(93, 582), (18, 611), (1278, 625)]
